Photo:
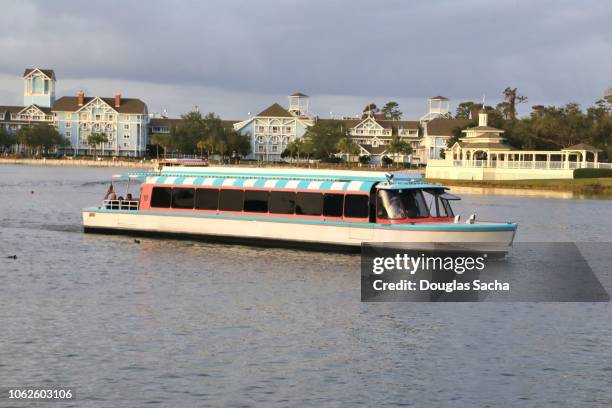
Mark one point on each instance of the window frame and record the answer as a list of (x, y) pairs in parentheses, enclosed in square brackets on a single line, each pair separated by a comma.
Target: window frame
[(358, 219)]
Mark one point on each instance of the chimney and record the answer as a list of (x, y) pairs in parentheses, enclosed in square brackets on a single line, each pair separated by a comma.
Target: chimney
[(117, 100), (81, 98)]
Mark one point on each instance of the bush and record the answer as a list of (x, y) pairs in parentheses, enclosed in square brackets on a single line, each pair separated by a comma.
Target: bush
[(364, 159), (332, 160), (592, 173), (387, 161)]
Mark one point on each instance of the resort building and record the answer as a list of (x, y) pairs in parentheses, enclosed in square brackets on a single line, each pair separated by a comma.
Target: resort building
[(123, 120), (38, 97), (483, 154), (275, 127)]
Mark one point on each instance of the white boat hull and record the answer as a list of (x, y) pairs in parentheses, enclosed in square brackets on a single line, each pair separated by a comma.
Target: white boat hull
[(490, 235)]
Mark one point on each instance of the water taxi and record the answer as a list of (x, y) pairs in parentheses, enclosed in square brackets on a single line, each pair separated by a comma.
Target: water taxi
[(305, 208)]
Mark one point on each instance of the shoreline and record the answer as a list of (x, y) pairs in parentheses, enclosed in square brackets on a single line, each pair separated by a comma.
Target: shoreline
[(585, 186), (77, 163)]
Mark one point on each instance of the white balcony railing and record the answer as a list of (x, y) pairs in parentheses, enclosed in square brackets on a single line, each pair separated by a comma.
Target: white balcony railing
[(543, 165)]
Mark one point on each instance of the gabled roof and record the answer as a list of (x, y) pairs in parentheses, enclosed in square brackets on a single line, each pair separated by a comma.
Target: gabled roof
[(583, 146), (275, 111), (439, 97), (43, 109), (373, 150), (11, 109), (48, 72), (398, 124), (484, 129), (445, 127), (71, 104), (168, 122), (299, 94)]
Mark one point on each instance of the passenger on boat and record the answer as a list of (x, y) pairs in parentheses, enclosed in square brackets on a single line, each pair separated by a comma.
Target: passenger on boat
[(128, 197), (396, 208)]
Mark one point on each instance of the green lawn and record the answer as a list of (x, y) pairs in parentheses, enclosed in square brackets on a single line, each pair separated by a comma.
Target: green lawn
[(586, 185)]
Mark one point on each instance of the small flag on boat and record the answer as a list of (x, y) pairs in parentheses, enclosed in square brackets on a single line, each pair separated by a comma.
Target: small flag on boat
[(110, 191)]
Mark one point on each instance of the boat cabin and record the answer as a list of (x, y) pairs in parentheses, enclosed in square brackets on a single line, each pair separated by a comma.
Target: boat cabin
[(334, 200)]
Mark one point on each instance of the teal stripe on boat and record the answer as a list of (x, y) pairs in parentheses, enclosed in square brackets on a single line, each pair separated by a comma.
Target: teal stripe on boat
[(410, 227), (198, 181), (303, 184), (218, 182), (260, 183), (281, 183), (326, 185), (179, 180), (366, 186), (239, 182)]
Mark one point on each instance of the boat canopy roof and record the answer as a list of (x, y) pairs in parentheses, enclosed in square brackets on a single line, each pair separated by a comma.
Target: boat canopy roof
[(286, 173), (284, 178), (277, 184)]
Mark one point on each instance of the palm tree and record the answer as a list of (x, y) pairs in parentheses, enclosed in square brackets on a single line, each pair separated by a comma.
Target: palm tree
[(94, 139), (398, 146), (202, 144), (162, 139), (347, 146)]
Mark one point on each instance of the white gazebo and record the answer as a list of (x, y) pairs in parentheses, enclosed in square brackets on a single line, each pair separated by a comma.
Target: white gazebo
[(483, 154)]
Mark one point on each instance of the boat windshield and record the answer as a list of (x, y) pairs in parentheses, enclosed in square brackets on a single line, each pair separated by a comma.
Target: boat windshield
[(413, 203), (401, 204)]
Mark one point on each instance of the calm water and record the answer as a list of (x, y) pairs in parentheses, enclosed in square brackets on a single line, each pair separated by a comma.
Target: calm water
[(183, 323)]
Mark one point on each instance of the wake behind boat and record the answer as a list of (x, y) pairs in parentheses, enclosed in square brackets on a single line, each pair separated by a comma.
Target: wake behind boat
[(305, 208)]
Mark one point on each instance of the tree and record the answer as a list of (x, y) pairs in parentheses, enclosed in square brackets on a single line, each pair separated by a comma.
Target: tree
[(162, 139), (391, 111), (464, 110), (40, 137), (513, 98), (94, 139), (398, 146), (6, 138), (324, 135), (370, 109), (364, 159), (202, 144), (347, 146)]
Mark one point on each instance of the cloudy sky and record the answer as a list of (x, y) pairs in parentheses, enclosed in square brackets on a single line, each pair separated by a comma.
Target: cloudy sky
[(235, 57)]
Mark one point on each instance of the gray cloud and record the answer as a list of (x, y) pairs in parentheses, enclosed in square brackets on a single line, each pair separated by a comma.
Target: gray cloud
[(239, 56)]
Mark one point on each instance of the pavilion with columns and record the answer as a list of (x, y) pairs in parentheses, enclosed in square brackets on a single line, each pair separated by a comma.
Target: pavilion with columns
[(483, 154)]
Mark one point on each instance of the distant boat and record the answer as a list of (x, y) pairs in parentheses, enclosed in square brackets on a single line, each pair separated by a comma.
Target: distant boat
[(325, 209)]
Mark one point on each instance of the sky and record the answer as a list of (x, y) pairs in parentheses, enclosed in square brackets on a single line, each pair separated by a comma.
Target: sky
[(238, 57)]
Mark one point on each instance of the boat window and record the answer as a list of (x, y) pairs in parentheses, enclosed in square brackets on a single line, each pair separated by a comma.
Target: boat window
[(207, 199), (447, 207), (356, 206), (231, 200), (183, 197), (309, 203), (282, 202), (256, 201), (437, 202), (332, 205), (400, 204), (160, 198)]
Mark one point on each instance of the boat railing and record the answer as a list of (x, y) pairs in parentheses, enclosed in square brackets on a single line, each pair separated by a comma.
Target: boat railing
[(130, 205)]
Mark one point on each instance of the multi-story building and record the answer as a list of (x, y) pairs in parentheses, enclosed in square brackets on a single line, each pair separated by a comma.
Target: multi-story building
[(123, 120), (275, 127), (38, 97)]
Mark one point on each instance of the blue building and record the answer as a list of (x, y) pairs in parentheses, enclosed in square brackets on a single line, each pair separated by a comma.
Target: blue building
[(123, 120)]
